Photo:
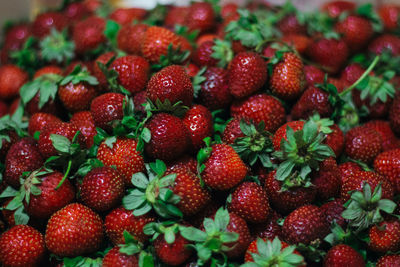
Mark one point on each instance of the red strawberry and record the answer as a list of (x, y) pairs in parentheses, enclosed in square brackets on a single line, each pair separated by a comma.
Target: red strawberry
[(313, 100), (238, 225), (228, 10), (88, 34), (385, 237), (250, 201), (327, 179), (76, 11), (107, 108), (343, 255), (97, 72), (388, 164), (335, 140), (336, 7), (289, 24), (385, 42), (127, 15), (171, 83), (394, 116), (39, 120), (130, 38), (22, 245), (133, 72), (269, 229), (333, 212), (102, 188), (389, 140), (388, 261), (299, 42), (11, 80), (203, 54), (187, 162), (200, 16), (347, 169), (73, 231), (139, 101), (199, 123), (173, 254), (247, 74), (232, 131), (214, 92), (85, 123), (77, 96), (115, 257), (176, 15), (169, 137), (156, 41), (260, 107), (356, 31), (281, 132), (44, 22), (363, 144), (120, 219), (288, 80), (223, 169), (5, 145), (22, 156), (390, 15), (305, 225)]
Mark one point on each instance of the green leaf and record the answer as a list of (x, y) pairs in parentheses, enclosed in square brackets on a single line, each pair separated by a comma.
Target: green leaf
[(60, 143), (20, 216), (221, 219), (229, 237), (146, 135), (9, 192), (146, 260), (140, 180), (111, 31), (143, 210), (192, 234)]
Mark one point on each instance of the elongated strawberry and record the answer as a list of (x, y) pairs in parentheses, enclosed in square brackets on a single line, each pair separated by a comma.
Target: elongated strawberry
[(343, 255)]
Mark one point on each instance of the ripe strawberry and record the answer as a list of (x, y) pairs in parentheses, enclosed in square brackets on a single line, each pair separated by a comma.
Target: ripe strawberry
[(343, 255), (385, 237), (107, 108), (363, 144), (250, 201), (11, 79), (115, 257), (247, 74), (203, 54), (173, 254), (313, 100), (333, 212), (281, 132), (133, 72), (171, 83), (85, 123), (329, 53), (98, 73), (223, 169), (388, 164), (39, 120), (357, 180), (385, 42), (313, 75), (139, 101), (102, 188), (214, 92), (175, 15), (289, 25), (200, 16), (288, 80), (73, 231), (169, 137), (389, 140), (356, 31), (22, 156), (388, 261), (88, 34), (238, 225), (22, 245), (336, 7), (260, 107), (6, 145), (327, 179), (347, 169), (305, 225), (335, 140), (232, 131), (44, 22), (394, 116), (299, 42), (187, 162), (125, 16), (130, 38), (156, 41), (390, 15), (120, 219), (76, 11), (199, 123)]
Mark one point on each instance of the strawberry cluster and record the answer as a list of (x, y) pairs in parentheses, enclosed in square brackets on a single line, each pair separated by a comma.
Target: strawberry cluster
[(205, 135)]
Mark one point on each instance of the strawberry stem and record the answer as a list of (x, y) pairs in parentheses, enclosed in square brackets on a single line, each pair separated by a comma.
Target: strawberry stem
[(65, 175)]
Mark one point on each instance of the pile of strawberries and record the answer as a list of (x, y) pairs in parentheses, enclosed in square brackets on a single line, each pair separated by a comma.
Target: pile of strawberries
[(207, 135)]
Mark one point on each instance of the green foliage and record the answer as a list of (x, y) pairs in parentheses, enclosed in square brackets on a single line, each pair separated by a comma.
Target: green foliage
[(56, 47)]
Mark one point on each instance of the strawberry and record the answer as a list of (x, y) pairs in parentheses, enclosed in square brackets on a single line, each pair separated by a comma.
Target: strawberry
[(390, 15), (223, 168), (250, 201), (139, 101), (288, 80), (388, 261), (214, 92), (385, 42), (281, 132), (102, 188), (201, 17), (203, 54), (385, 237), (290, 24), (313, 100), (176, 15), (169, 137), (171, 83), (133, 72), (22, 245), (232, 131), (335, 139), (343, 255), (107, 108), (306, 225), (347, 169), (156, 41), (299, 42), (187, 162), (389, 140), (260, 107), (327, 180), (125, 16), (88, 34), (333, 212), (73, 231), (3, 109), (44, 22), (120, 220), (11, 80), (98, 73), (22, 156), (336, 7), (387, 164), (174, 253), (356, 31), (115, 257), (130, 38), (39, 120), (394, 116), (76, 11), (313, 75), (247, 74), (85, 123), (363, 144), (199, 123)]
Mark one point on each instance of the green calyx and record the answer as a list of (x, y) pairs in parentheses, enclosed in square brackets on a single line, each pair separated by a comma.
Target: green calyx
[(177, 109), (271, 254), (256, 145), (153, 192), (300, 154), (197, 80), (222, 52), (56, 47), (167, 228), (367, 11), (27, 57), (79, 75), (214, 241), (203, 154), (319, 23), (112, 77), (377, 88), (131, 246), (13, 123), (364, 208), (174, 56), (324, 124)]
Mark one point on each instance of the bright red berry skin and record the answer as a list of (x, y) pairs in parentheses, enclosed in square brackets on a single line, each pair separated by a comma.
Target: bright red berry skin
[(327, 179), (214, 92), (281, 132), (173, 254), (44, 22), (76, 97), (343, 256), (116, 258), (85, 123), (313, 100), (88, 34), (385, 237), (335, 140), (171, 83), (223, 169), (347, 169), (390, 15), (22, 246), (388, 164), (232, 131), (363, 144), (73, 231), (385, 42), (169, 137), (200, 16), (333, 212), (11, 80), (120, 219), (238, 225), (389, 140), (97, 72), (356, 31), (102, 188), (305, 225), (260, 107), (388, 261), (130, 38), (39, 120), (250, 201), (106, 108), (247, 74), (394, 114), (202, 55)]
